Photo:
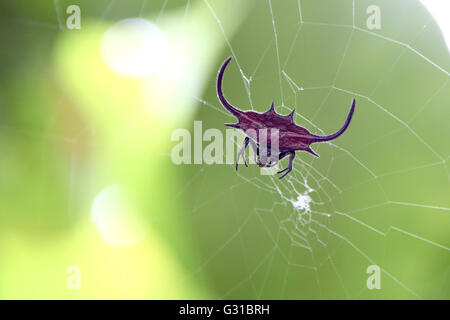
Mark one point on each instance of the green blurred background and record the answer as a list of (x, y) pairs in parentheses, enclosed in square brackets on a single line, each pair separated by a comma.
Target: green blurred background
[(92, 206)]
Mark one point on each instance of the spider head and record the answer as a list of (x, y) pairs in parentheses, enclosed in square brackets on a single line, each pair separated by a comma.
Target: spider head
[(269, 158), (261, 165)]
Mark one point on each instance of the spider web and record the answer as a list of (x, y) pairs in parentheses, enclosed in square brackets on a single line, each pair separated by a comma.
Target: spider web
[(379, 196)]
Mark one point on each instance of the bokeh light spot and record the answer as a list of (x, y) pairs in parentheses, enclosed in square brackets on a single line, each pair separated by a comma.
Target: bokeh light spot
[(116, 219), (440, 9), (134, 47)]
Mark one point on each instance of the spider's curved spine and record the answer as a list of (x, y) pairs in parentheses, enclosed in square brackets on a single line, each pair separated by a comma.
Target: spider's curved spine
[(222, 98), (341, 130)]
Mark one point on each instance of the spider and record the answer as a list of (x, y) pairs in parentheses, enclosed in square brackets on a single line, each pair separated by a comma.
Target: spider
[(291, 137)]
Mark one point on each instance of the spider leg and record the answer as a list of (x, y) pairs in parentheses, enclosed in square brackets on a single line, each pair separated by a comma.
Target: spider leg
[(242, 153), (289, 168), (270, 163), (255, 150), (280, 157)]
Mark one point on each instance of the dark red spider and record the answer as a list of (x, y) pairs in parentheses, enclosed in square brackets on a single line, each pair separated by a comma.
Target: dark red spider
[(291, 137)]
